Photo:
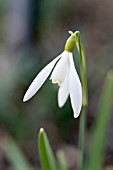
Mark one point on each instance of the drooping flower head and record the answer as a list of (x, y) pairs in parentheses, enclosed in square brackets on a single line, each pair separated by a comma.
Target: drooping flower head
[(64, 74)]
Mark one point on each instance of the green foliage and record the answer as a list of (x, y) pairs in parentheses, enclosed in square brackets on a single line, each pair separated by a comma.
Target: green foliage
[(97, 152), (47, 158), (48, 161), (14, 155), (103, 116), (61, 160)]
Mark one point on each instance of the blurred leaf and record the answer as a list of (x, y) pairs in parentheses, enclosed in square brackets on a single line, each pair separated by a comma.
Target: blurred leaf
[(15, 155), (61, 160), (109, 168), (103, 113), (46, 155)]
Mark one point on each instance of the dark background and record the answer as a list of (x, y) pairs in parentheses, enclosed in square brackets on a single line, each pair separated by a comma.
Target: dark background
[(32, 33)]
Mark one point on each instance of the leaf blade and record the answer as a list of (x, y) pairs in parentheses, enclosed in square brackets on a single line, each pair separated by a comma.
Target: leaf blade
[(48, 161), (101, 124)]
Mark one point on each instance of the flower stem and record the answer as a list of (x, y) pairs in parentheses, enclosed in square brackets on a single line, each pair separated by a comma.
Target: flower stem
[(82, 124), (82, 134)]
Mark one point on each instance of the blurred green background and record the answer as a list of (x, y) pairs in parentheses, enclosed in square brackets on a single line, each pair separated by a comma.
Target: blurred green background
[(32, 33)]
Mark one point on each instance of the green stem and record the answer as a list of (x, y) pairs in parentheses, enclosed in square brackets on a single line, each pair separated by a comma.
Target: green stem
[(82, 133), (82, 70), (82, 124)]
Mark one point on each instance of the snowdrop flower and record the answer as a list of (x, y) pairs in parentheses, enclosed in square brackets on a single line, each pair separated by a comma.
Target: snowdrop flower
[(65, 74)]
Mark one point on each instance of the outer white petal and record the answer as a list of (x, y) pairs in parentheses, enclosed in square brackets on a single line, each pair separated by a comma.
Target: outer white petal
[(59, 73), (75, 89), (40, 79), (63, 92)]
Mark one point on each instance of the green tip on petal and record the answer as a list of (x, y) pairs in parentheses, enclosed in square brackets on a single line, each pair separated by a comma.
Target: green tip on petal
[(71, 42)]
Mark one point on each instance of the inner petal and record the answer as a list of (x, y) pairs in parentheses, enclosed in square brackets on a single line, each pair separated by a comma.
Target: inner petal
[(63, 92), (62, 67)]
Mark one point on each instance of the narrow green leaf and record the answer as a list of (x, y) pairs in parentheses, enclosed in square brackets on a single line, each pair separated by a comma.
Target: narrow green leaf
[(48, 161), (61, 160), (103, 116), (14, 155)]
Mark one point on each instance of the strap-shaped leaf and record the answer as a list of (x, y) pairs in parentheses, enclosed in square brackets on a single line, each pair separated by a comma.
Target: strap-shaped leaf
[(14, 155), (48, 161), (103, 115), (61, 160)]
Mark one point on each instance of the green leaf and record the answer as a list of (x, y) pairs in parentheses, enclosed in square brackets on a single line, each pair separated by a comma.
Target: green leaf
[(103, 116), (48, 161), (61, 160), (14, 155)]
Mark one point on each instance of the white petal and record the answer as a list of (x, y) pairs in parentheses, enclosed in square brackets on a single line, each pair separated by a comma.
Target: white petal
[(75, 89), (40, 79), (63, 92), (62, 67)]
